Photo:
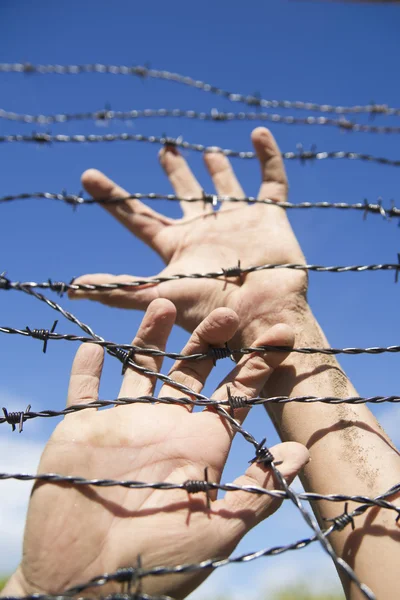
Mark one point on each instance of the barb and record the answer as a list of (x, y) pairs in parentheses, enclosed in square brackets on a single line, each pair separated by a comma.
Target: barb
[(76, 199), (303, 155), (144, 71), (214, 115)]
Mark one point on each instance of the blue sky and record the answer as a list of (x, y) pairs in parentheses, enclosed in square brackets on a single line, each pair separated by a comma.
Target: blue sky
[(323, 52)]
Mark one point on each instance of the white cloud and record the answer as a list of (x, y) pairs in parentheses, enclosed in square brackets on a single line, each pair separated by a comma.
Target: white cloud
[(17, 455), (389, 418)]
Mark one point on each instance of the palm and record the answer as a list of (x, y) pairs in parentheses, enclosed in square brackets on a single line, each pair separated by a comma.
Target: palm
[(127, 444), (255, 235)]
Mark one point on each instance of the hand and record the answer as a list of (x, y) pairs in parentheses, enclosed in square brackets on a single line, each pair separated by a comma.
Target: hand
[(75, 533), (204, 241)]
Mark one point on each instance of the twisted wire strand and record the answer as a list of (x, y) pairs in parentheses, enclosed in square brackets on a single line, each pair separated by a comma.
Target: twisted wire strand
[(216, 116), (111, 347), (302, 155), (76, 199), (144, 71), (365, 501), (185, 401), (61, 287)]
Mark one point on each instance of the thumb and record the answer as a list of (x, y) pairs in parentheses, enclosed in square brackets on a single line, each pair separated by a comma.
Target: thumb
[(245, 509), (135, 297)]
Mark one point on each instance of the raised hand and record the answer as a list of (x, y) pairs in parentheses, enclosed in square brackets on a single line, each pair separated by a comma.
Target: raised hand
[(204, 240), (74, 533)]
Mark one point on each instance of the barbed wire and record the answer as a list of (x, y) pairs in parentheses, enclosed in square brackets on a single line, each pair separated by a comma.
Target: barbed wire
[(195, 486), (232, 402), (212, 199), (213, 353), (60, 287), (262, 453), (338, 524), (216, 116), (126, 354), (302, 155), (144, 71)]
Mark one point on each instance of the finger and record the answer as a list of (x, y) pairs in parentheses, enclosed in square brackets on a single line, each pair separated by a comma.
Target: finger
[(274, 184), (135, 297), (247, 510), (224, 179), (153, 333), (253, 371), (85, 376), (141, 220), (219, 327), (182, 180)]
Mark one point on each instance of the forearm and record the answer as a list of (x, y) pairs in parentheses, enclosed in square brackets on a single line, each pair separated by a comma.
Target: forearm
[(349, 451)]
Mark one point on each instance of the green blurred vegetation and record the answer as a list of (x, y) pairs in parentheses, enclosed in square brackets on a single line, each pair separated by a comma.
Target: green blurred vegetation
[(298, 591), (301, 592), (295, 592)]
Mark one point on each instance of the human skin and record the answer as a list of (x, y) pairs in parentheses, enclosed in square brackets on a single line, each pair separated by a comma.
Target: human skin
[(73, 533), (350, 452)]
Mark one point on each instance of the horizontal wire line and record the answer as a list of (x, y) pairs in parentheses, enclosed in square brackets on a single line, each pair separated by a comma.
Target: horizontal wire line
[(303, 155), (106, 115), (186, 401), (145, 71), (61, 287), (55, 478), (211, 354), (76, 200)]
